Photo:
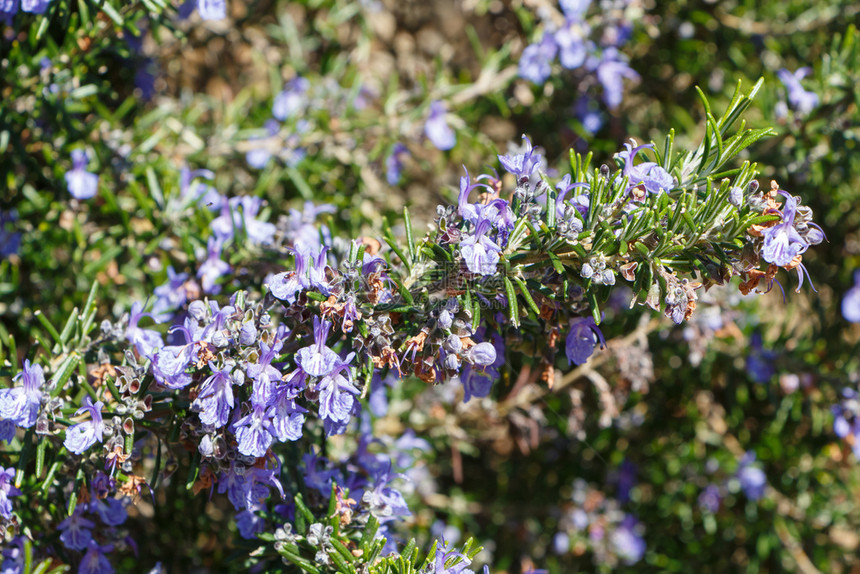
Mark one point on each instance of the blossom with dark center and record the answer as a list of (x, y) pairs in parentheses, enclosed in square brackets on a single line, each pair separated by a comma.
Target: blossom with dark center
[(583, 336), (782, 242)]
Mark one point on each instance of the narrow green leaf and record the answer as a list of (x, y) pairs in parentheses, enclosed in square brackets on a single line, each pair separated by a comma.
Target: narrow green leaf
[(513, 307)]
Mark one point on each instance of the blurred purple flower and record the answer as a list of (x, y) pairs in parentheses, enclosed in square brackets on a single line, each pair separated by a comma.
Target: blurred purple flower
[(212, 9), (710, 498), (76, 530), (752, 478), (800, 99), (611, 70), (437, 129), (260, 157), (536, 61), (629, 545), (7, 490), (851, 301), (81, 183), (291, 99), (394, 163), (761, 362), (35, 6)]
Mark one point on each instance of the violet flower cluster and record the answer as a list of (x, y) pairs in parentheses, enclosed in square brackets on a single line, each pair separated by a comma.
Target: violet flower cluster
[(588, 43)]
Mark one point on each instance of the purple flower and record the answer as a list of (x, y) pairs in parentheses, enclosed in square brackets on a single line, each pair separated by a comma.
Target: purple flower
[(81, 183), (611, 70), (76, 530), (254, 432), (10, 241), (21, 404), (625, 478), (318, 360), (480, 253), (800, 99), (752, 478), (581, 340), (437, 129), (710, 498), (146, 341), (648, 174), (7, 490), (536, 61), (260, 157), (384, 501), (204, 194), (851, 301), (782, 242), (310, 272), (111, 511), (213, 268), (337, 393), (240, 213), (8, 9), (169, 296), (303, 230), (35, 6), (588, 112), (443, 555), (212, 9), (94, 561), (7, 430), (760, 361), (287, 417), (83, 435), (627, 542), (291, 99), (169, 363), (394, 163), (215, 400), (522, 165), (249, 524), (572, 42)]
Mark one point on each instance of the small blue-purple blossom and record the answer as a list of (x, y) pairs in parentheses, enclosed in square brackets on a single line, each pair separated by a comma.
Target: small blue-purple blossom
[(536, 61), (215, 399), (851, 301), (394, 163), (10, 240), (83, 435), (81, 183), (782, 242), (480, 253), (146, 341), (627, 542), (647, 174), (169, 296), (76, 530), (292, 99), (761, 362), (21, 404), (259, 158), (318, 360), (752, 478), (800, 99), (213, 268), (95, 561), (212, 9), (7, 490), (437, 129), (611, 70), (710, 498), (583, 336)]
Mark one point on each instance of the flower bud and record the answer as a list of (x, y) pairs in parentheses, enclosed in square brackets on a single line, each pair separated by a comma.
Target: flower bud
[(483, 354)]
